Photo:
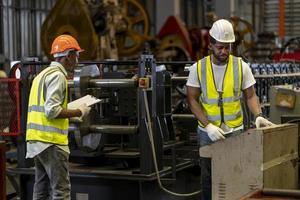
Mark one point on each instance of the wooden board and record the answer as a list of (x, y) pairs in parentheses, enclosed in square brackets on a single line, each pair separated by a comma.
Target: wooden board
[(255, 158)]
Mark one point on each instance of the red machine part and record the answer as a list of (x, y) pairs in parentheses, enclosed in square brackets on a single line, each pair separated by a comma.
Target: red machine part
[(175, 26), (278, 57), (200, 41), (289, 51)]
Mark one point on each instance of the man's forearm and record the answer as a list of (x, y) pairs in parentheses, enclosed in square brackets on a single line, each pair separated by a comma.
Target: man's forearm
[(254, 105), (252, 100), (198, 112), (67, 113)]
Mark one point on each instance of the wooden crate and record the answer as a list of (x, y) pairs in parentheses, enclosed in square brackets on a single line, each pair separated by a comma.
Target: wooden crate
[(257, 158)]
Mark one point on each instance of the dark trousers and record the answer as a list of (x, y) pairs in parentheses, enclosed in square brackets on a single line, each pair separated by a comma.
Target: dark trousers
[(52, 175)]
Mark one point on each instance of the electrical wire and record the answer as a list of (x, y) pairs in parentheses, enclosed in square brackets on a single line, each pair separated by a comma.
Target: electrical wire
[(150, 134)]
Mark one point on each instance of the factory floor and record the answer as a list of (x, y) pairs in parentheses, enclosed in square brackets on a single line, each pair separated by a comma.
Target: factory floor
[(10, 191)]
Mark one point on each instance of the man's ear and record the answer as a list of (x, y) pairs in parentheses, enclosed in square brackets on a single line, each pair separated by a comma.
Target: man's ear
[(68, 57)]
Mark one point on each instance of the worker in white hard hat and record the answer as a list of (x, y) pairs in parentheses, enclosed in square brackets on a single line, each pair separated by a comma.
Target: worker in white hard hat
[(215, 86)]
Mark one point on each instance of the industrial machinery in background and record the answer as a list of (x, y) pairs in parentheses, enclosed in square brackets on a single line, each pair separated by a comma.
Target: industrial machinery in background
[(268, 49), (263, 49), (271, 74), (284, 101), (106, 29), (112, 151), (180, 43), (174, 41), (244, 35), (290, 51), (272, 66), (112, 29)]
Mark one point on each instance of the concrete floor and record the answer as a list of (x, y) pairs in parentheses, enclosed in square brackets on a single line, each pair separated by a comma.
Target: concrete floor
[(11, 158), (10, 190)]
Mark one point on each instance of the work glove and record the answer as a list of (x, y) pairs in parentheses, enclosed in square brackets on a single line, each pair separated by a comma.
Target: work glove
[(214, 132), (262, 122), (85, 110)]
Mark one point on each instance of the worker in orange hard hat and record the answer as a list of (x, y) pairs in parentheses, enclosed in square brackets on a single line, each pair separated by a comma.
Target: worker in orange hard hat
[(64, 46), (48, 121)]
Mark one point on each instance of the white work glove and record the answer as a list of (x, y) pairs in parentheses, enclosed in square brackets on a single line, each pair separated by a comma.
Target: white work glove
[(85, 110), (214, 132), (262, 122)]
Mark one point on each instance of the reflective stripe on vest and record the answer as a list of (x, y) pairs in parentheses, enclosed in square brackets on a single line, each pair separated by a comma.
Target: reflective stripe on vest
[(39, 127), (44, 128), (231, 93)]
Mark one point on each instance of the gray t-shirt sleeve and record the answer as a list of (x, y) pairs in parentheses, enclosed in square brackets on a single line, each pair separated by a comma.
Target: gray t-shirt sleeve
[(55, 86)]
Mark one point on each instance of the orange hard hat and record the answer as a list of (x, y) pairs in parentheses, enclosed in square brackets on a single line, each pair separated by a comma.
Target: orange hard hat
[(63, 43)]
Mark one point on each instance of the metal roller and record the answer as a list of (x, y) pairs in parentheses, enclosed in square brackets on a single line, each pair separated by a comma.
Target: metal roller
[(105, 129), (81, 78), (121, 82), (86, 77), (113, 129), (113, 83), (83, 83), (183, 116), (281, 192), (179, 78)]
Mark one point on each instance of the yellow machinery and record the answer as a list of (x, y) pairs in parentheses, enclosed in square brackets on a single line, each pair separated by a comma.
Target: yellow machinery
[(105, 29)]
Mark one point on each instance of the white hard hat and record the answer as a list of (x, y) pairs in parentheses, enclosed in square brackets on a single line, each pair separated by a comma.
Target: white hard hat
[(222, 31)]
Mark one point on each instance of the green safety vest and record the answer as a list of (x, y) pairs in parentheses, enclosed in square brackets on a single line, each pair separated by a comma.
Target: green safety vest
[(40, 127), (212, 101)]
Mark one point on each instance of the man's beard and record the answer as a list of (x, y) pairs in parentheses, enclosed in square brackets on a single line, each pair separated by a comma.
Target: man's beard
[(221, 60)]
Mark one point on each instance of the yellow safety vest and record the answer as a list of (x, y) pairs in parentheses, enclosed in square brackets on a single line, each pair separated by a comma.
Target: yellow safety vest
[(40, 127), (228, 100)]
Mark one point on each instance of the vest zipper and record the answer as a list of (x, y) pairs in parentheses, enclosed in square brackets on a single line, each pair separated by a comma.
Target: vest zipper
[(220, 104)]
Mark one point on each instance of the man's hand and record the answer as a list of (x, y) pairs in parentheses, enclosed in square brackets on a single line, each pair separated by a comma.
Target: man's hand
[(262, 122), (85, 110), (76, 119), (214, 132)]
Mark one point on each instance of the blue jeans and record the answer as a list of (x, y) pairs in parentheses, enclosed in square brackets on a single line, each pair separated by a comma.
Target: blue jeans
[(205, 163), (52, 175)]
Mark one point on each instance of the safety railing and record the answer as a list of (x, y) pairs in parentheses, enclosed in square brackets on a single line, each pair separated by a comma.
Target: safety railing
[(9, 107)]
